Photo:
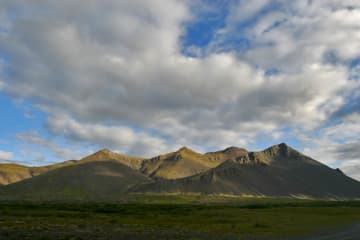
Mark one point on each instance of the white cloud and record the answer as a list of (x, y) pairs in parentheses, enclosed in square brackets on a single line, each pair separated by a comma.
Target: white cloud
[(355, 72), (244, 10), (4, 156), (337, 145), (353, 171), (296, 33), (115, 73), (33, 138), (119, 138)]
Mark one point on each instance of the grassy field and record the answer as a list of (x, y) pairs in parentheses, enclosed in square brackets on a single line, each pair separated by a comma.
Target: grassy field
[(173, 217)]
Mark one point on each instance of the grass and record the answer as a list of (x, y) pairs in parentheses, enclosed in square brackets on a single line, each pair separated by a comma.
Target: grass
[(173, 217)]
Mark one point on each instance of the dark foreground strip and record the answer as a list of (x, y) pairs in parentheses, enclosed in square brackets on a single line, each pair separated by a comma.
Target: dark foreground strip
[(351, 232)]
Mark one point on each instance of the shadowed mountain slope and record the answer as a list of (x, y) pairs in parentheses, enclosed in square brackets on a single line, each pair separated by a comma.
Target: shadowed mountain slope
[(186, 162), (276, 171), (231, 153), (89, 180), (11, 173), (179, 164)]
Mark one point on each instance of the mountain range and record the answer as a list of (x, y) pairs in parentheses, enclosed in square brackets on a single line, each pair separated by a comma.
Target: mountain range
[(278, 171)]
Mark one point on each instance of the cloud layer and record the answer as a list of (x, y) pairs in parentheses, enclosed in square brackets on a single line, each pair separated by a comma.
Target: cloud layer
[(114, 73)]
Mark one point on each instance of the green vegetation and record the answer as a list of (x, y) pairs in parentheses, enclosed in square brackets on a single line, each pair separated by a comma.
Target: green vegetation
[(173, 217)]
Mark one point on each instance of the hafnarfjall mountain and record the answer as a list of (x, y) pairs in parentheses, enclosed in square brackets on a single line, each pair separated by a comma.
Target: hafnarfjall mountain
[(278, 171)]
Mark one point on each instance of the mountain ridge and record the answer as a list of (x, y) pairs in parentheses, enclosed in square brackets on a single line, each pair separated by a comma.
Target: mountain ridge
[(182, 163), (279, 170), (105, 154), (12, 173)]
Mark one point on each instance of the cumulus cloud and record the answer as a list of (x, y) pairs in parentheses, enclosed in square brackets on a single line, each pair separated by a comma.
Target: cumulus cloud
[(298, 33), (117, 137), (337, 144), (349, 151), (113, 73), (337, 154), (244, 10), (33, 138), (6, 156)]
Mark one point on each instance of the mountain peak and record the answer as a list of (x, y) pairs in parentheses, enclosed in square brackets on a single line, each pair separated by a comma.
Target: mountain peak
[(286, 154), (233, 149), (282, 147), (281, 151), (185, 150), (107, 155), (103, 154), (104, 150)]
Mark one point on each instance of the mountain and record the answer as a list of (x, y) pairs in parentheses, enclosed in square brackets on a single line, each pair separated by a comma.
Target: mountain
[(276, 171), (11, 173), (105, 155), (88, 180), (179, 164), (231, 153)]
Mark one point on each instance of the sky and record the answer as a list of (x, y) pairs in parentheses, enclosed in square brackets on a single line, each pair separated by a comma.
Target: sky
[(147, 77)]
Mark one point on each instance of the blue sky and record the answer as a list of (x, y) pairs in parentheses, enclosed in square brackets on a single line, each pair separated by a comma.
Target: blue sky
[(147, 78)]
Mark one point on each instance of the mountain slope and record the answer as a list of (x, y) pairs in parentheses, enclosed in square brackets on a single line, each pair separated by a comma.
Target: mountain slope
[(231, 153), (88, 180), (276, 171), (179, 164), (11, 173), (105, 154)]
